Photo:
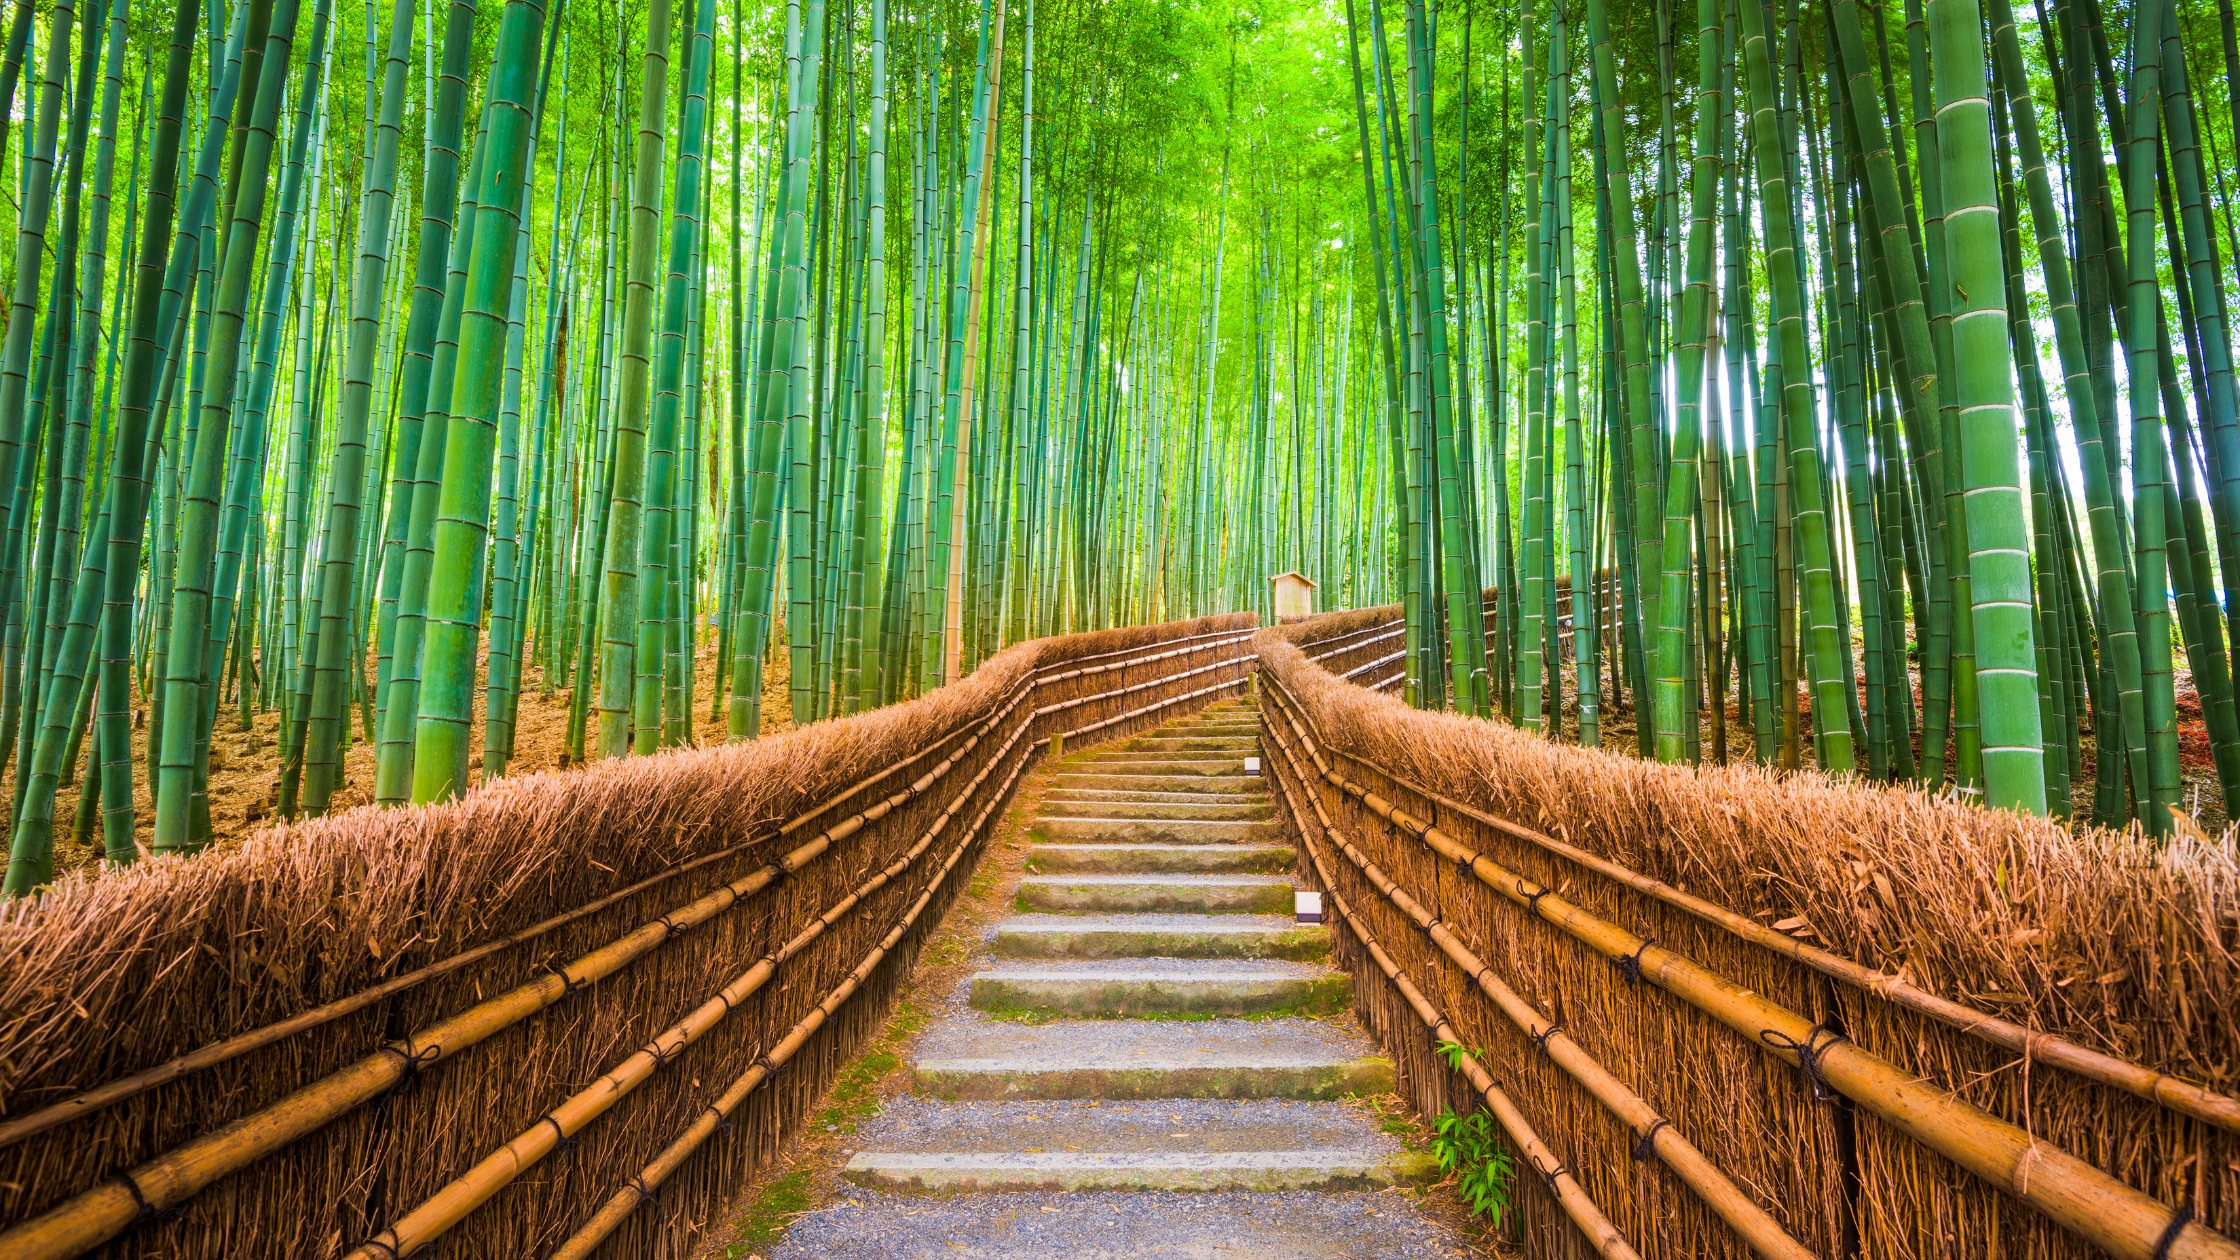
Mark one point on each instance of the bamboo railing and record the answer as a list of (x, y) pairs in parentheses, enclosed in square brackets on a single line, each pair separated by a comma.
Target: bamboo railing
[(663, 908), (1717, 1086)]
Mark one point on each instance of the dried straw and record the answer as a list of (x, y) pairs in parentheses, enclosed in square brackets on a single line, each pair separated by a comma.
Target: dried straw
[(1659, 1136), (2123, 949), (103, 978)]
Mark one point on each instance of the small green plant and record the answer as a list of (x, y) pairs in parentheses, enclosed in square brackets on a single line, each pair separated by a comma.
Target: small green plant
[(1469, 1148)]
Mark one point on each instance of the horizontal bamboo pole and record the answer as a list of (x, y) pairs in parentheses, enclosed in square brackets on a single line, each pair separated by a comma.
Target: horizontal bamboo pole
[(1742, 1214), (123, 1088), (2179, 1095), (1569, 1195), (1381, 661), (1078, 701), (1234, 634), (640, 1188), (1605, 1237), (94, 1216), (1157, 705), (1377, 634), (132, 1086), (1143, 660), (452, 1204), (2080, 1198)]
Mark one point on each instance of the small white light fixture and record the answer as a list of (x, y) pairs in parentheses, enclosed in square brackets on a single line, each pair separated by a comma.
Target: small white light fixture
[(1252, 765), (1309, 905)]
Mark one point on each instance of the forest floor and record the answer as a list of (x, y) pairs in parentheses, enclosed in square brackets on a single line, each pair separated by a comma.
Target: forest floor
[(245, 763), (2199, 792)]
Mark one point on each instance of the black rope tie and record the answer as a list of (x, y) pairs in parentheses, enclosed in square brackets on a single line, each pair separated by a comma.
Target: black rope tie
[(561, 1139), (1549, 1175), (1648, 1144), (1532, 899), (568, 984), (1630, 965), (661, 1057), (636, 1185), (1808, 1056), (725, 998), (674, 928), (414, 1060), (1425, 927), (143, 1211), (1540, 1039), (373, 1243), (2178, 1222), (1463, 861)]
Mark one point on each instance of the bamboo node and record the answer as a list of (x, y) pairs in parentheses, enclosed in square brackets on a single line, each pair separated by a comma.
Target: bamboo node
[(1808, 1055), (2178, 1222), (1648, 1143)]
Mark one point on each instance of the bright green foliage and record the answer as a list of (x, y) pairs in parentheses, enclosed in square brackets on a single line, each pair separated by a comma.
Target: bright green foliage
[(408, 375), (1472, 1151)]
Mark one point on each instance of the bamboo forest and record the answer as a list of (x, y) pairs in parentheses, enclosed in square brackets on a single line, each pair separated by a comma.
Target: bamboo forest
[(1839, 386)]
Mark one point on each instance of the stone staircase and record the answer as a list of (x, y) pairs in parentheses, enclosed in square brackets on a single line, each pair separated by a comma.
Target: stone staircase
[(1153, 1024)]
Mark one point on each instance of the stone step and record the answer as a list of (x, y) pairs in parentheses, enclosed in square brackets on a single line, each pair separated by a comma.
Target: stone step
[(872, 1225), (1161, 936), (1162, 742), (963, 1058), (1179, 806), (1148, 782), (1182, 1144), (1156, 894), (1131, 988), (1239, 724), (1118, 859), (1262, 1171), (1189, 757), (1161, 764), (1154, 830)]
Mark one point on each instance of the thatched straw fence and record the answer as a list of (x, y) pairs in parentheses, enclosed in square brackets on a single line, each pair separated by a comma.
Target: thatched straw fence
[(572, 1011), (1368, 646), (2017, 1042)]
